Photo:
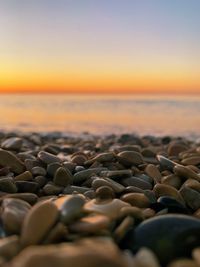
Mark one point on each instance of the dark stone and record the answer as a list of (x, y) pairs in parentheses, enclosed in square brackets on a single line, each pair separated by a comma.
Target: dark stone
[(168, 236)]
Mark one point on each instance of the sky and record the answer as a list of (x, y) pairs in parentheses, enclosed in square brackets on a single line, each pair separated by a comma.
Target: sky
[(134, 46)]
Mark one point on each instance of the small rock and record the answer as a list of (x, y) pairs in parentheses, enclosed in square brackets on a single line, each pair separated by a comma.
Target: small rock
[(12, 143), (39, 220), (7, 158), (62, 177)]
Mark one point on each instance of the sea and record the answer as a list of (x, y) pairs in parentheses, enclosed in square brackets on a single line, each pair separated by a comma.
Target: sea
[(100, 114)]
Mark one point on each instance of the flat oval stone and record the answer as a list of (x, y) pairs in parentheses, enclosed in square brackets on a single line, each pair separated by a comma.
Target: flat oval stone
[(37, 170), (137, 182), (28, 197), (25, 176), (169, 236), (62, 177), (12, 143), (136, 199), (191, 197), (116, 187), (153, 172), (175, 148), (39, 220), (186, 172), (7, 185), (115, 175), (195, 160), (52, 189), (9, 247), (129, 158), (13, 214), (7, 158), (110, 208), (27, 186), (48, 157)]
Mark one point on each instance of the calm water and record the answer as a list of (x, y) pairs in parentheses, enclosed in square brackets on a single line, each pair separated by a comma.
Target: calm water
[(101, 114)]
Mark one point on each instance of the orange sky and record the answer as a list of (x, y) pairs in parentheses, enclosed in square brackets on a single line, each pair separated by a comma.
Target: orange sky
[(141, 47)]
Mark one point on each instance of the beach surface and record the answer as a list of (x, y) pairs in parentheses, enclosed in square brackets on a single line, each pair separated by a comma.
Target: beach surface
[(116, 200)]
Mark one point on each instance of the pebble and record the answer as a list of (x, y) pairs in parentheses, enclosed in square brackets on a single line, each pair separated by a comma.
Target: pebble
[(191, 161), (137, 182), (62, 177), (27, 186), (7, 185), (104, 192), (81, 176), (39, 220), (110, 208), (175, 148), (37, 170), (129, 158), (7, 158), (153, 172), (116, 187), (166, 190), (52, 168), (71, 209), (13, 214), (191, 197), (186, 172), (28, 197), (12, 143), (165, 163), (48, 158), (136, 199), (25, 176), (9, 247), (178, 242)]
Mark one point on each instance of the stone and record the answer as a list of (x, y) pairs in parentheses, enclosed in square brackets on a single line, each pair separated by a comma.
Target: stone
[(13, 214), (166, 190), (28, 197), (195, 160), (52, 189), (183, 263), (104, 192), (186, 172), (48, 158), (110, 208), (191, 197), (25, 176), (12, 143), (116, 187), (9, 247), (146, 258), (37, 170), (7, 158), (129, 158), (81, 176), (165, 163), (182, 236), (52, 168), (38, 222), (136, 199), (175, 148), (115, 175), (71, 209), (27, 186), (137, 182), (7, 185), (153, 172), (62, 177)]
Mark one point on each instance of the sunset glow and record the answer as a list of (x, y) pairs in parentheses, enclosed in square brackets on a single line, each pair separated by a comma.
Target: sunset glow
[(100, 46)]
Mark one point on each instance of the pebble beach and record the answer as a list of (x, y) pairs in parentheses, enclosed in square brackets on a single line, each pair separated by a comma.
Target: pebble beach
[(88, 201)]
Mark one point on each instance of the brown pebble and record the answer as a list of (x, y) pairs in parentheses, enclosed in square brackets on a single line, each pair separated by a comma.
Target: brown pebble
[(153, 172), (39, 220), (136, 199)]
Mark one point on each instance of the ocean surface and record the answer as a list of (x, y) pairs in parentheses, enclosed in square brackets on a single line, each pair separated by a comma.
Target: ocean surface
[(101, 114)]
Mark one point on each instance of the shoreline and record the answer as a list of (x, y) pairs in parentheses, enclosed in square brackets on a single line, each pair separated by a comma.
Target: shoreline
[(93, 201)]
